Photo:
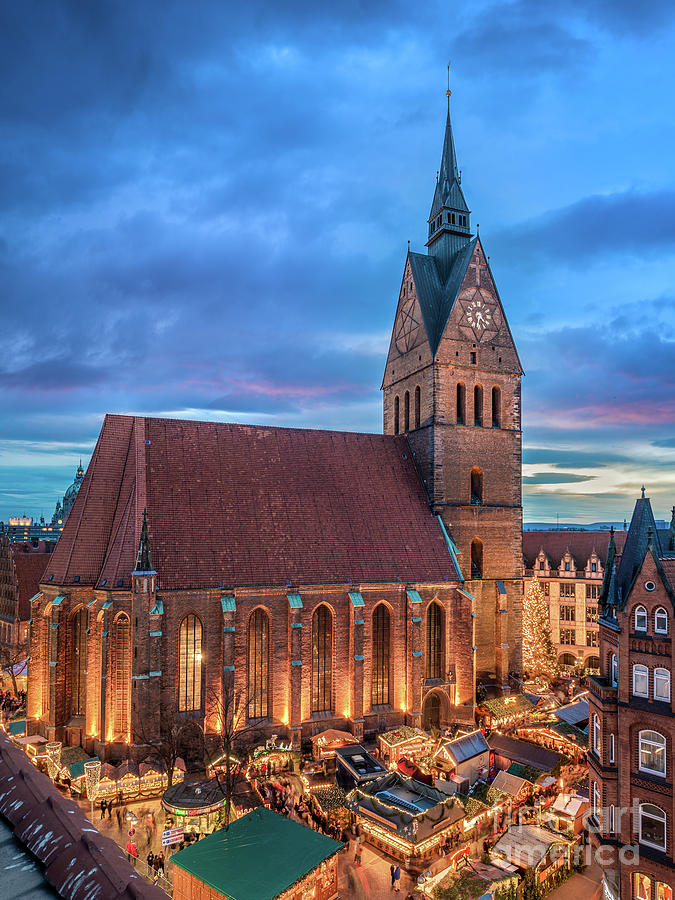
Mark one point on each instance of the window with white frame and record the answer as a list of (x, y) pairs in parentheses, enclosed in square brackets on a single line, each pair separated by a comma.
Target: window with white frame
[(662, 685), (652, 826), (652, 747), (614, 670), (597, 730), (612, 827), (611, 748), (661, 621), (640, 618), (596, 802), (641, 681)]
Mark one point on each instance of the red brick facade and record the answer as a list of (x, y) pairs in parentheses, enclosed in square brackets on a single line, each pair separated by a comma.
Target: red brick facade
[(632, 725), (448, 444)]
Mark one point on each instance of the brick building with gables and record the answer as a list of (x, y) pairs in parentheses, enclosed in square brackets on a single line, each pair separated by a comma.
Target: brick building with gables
[(329, 579), (632, 714)]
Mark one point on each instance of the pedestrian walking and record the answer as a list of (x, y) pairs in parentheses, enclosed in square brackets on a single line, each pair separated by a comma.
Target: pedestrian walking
[(397, 879), (110, 806), (392, 870), (103, 806), (134, 853)]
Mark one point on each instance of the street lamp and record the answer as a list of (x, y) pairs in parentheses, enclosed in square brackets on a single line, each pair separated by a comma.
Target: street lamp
[(92, 776), (53, 750)]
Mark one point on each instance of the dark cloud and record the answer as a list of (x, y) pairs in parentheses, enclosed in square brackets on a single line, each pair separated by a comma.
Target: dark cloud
[(669, 443), (571, 459), (555, 478), (595, 228)]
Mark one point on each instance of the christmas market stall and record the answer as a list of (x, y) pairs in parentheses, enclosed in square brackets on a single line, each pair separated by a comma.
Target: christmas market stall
[(71, 768), (327, 742), (271, 758), (406, 819), (467, 757), (535, 847), (298, 863), (505, 711), (34, 745), (478, 879), (403, 741), (508, 750), (197, 806), (568, 813), (355, 766)]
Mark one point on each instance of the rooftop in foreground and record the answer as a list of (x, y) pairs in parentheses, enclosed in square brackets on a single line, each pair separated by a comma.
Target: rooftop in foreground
[(230, 860)]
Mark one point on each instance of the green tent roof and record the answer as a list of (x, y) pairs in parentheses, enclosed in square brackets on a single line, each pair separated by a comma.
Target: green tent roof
[(260, 856)]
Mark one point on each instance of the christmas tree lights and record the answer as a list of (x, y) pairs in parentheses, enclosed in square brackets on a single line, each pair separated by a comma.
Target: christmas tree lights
[(539, 656)]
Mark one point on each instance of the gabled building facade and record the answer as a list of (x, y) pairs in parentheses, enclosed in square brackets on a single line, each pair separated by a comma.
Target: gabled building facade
[(632, 715), (569, 566), (452, 386)]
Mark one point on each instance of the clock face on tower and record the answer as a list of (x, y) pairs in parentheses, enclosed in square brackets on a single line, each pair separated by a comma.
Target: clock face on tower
[(479, 312), (408, 324)]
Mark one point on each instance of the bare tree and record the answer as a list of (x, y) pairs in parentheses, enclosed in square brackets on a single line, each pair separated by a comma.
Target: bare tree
[(234, 739), (167, 745)]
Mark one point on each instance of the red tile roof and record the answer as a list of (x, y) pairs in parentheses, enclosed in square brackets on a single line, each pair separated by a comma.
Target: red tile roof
[(78, 861), (29, 568), (251, 505), (580, 544)]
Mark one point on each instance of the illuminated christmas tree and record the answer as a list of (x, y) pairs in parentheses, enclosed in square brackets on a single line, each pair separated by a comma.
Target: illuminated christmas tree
[(539, 656)]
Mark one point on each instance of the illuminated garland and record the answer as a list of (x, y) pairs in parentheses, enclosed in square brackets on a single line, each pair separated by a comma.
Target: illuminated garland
[(53, 750), (92, 776)]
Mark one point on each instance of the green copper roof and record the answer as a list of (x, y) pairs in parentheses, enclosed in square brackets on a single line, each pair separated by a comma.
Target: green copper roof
[(260, 856), (294, 601), (356, 598), (448, 190), (228, 604)]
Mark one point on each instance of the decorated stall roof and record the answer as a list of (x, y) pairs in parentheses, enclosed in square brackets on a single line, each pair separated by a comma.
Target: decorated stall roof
[(523, 752), (413, 809), (229, 860), (467, 747), (573, 713), (507, 706), (508, 784), (526, 846), (401, 734)]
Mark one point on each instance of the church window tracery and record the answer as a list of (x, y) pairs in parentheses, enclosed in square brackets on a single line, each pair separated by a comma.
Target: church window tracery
[(435, 641), (406, 412), (381, 646), (258, 664), (418, 403), (322, 660), (190, 664), (78, 663), (122, 644)]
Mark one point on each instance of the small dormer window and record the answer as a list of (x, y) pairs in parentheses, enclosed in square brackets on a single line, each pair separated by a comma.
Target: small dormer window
[(567, 567), (594, 567), (640, 619), (542, 564)]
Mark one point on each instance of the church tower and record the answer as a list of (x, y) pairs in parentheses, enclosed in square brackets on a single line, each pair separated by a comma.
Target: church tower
[(452, 386)]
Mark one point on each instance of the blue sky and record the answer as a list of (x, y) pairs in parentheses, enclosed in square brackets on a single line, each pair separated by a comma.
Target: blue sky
[(205, 210)]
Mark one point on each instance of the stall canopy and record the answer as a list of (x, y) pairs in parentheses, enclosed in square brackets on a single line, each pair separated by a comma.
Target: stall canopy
[(511, 785), (229, 860)]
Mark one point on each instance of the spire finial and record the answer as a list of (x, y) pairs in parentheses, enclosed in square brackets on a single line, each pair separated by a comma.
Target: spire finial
[(144, 557), (448, 93), (643, 491)]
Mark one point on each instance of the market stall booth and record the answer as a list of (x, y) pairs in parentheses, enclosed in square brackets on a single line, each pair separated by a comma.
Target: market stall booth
[(405, 818), (467, 757), (403, 741), (298, 863), (327, 742), (535, 847), (196, 806), (355, 766), (568, 812), (271, 758), (506, 711)]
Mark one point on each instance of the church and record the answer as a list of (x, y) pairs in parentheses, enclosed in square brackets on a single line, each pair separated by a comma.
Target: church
[(315, 579)]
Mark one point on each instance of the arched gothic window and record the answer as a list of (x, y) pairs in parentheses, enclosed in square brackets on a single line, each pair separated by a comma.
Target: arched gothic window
[(397, 421), (78, 663), (258, 664), (435, 641), (476, 486), (190, 664), (406, 411), (381, 645), (661, 621), (122, 644), (496, 407), (478, 406), (461, 403), (640, 618), (476, 558), (418, 403), (322, 660)]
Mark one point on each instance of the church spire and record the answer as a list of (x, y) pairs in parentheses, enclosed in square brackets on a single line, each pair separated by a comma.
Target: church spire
[(144, 558), (449, 219)]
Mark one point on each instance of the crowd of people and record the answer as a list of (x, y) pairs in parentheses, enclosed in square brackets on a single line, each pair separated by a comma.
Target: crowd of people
[(279, 795), (10, 703)]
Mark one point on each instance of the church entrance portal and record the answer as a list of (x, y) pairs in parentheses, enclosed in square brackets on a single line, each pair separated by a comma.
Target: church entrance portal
[(432, 712), (191, 747)]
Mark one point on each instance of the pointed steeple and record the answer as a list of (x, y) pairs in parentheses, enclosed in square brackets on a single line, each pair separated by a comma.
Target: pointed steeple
[(449, 219), (144, 557)]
